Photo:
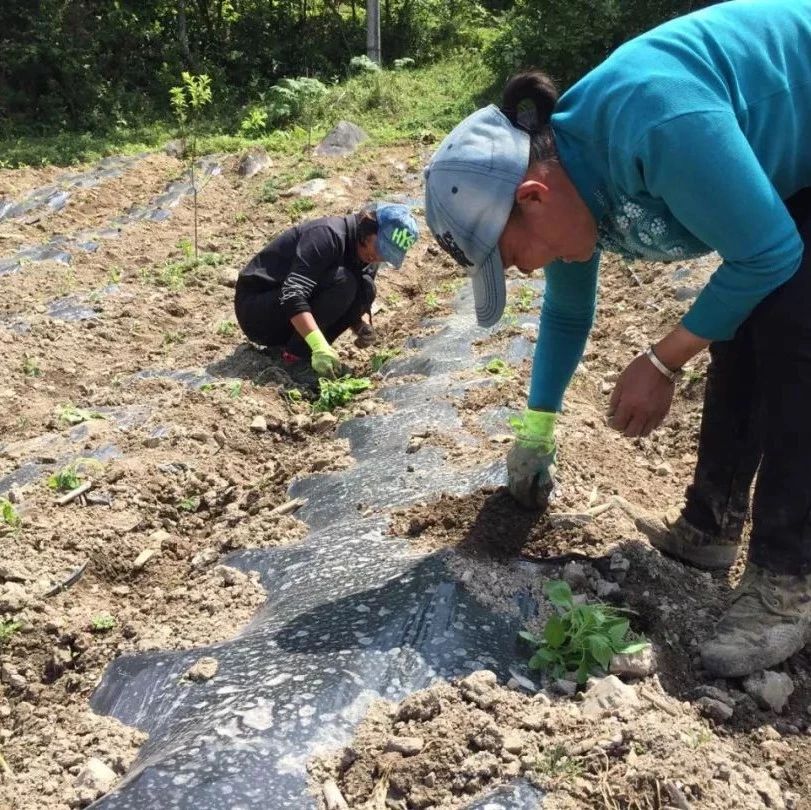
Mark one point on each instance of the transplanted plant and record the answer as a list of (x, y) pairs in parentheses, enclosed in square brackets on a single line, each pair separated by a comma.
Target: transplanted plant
[(71, 476), (9, 518), (498, 367), (75, 416), (188, 100), (334, 393), (580, 638)]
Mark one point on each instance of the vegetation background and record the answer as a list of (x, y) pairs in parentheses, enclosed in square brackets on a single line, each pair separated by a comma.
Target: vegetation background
[(80, 78)]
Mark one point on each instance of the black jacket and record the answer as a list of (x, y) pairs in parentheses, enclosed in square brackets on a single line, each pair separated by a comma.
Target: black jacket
[(300, 259)]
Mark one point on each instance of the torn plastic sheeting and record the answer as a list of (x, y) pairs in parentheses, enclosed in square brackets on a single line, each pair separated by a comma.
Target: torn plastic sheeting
[(157, 210), (82, 306), (352, 614), (55, 196)]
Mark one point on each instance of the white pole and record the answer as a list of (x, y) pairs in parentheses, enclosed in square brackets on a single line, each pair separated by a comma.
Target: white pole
[(373, 50)]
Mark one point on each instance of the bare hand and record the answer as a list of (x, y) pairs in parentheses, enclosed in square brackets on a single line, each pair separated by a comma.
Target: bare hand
[(641, 399)]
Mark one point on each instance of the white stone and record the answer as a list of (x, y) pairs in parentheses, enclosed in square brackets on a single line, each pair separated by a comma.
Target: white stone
[(407, 746), (95, 778), (771, 690), (606, 694), (634, 665), (259, 424)]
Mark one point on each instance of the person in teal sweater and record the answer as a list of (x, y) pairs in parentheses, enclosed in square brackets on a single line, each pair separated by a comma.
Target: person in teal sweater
[(694, 137)]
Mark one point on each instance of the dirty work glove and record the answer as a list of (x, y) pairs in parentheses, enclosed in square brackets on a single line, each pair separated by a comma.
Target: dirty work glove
[(324, 358), (365, 335), (531, 460)]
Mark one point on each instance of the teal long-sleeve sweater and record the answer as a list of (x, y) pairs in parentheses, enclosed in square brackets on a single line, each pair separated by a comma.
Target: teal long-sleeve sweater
[(686, 140)]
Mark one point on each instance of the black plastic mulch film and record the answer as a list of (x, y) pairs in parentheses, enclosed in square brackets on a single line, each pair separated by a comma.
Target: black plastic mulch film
[(352, 614)]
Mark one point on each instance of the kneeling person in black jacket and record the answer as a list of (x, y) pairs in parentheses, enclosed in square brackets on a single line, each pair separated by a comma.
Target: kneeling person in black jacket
[(317, 279)]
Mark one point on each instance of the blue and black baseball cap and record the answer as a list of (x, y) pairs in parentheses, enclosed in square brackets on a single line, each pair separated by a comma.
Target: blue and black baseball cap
[(397, 231), (470, 188)]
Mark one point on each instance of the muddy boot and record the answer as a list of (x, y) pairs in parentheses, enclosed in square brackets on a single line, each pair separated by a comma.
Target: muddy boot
[(674, 536), (768, 621)]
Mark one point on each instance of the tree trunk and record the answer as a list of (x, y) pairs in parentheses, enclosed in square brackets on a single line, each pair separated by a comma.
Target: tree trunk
[(183, 36), (373, 30)]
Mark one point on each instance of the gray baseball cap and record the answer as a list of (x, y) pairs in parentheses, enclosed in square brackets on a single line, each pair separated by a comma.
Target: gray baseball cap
[(470, 188)]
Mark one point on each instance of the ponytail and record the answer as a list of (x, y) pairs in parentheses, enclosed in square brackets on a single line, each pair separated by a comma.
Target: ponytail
[(528, 101)]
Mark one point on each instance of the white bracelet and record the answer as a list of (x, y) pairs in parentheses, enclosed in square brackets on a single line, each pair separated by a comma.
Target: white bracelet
[(660, 366)]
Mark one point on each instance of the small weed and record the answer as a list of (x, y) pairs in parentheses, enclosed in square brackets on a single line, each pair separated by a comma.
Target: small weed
[(240, 218), (9, 518), (690, 376), (431, 300), (699, 738), (524, 299), (394, 299), (186, 248), (557, 764), (300, 206), (174, 274), (379, 359), (450, 286), (235, 389), (580, 638), (7, 630), (173, 338), (226, 328), (75, 416), (189, 504), (498, 367), (293, 395), (114, 275), (31, 367), (102, 623), (335, 393), (316, 173)]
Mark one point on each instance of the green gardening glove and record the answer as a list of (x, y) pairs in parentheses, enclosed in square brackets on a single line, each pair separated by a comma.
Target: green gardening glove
[(531, 460), (324, 359)]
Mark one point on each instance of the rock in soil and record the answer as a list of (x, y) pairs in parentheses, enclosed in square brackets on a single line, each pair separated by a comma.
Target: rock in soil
[(94, 779), (771, 690), (634, 665)]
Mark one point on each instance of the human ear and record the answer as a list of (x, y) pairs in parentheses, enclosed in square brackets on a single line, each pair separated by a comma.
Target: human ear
[(531, 191)]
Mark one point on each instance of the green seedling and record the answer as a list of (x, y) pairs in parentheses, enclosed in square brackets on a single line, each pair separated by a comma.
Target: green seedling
[(235, 389), (102, 623), (226, 328), (394, 299), (294, 395), (9, 518), (498, 367), (173, 274), (524, 298), (31, 367), (334, 393), (114, 275), (189, 504), (7, 630), (431, 300), (557, 764), (70, 477), (691, 376), (75, 416), (379, 359), (580, 638)]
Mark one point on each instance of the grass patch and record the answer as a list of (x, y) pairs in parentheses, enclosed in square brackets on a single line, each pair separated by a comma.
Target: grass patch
[(498, 367), (226, 328), (175, 274), (556, 763), (299, 207)]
